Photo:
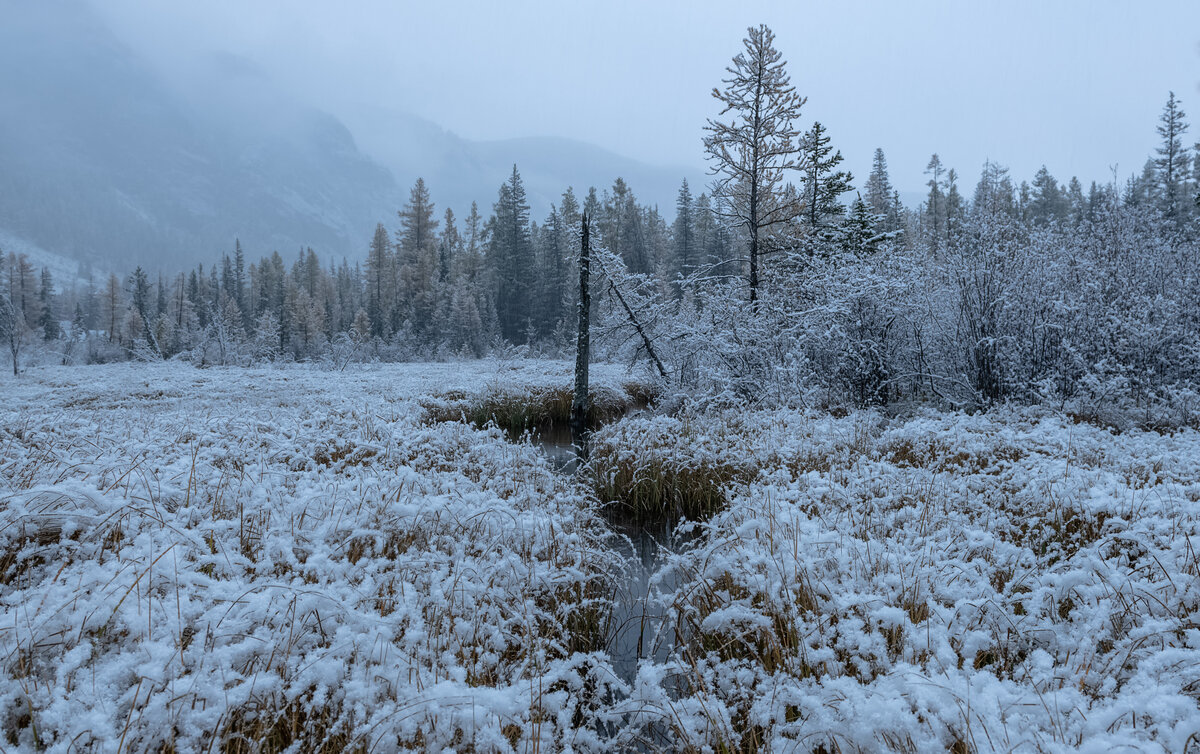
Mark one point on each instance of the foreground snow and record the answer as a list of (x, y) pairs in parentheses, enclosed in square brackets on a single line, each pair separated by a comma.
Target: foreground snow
[(965, 583), (265, 553), (284, 553)]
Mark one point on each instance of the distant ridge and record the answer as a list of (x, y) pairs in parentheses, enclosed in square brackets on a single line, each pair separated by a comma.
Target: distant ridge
[(103, 165)]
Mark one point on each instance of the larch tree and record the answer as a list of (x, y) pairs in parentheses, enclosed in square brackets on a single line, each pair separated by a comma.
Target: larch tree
[(112, 306), (754, 151), (12, 329)]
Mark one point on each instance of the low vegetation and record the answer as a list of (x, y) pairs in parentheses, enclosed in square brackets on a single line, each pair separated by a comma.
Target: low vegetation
[(952, 583), (517, 409), (272, 565)]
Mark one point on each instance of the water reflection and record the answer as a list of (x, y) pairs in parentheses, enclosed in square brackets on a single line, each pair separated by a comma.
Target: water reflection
[(639, 611)]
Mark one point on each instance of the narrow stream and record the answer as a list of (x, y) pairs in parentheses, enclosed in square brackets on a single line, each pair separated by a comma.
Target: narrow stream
[(634, 633), (637, 617)]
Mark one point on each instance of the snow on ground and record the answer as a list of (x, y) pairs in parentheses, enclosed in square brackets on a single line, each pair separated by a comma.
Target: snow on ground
[(263, 552), (1008, 582), (271, 555)]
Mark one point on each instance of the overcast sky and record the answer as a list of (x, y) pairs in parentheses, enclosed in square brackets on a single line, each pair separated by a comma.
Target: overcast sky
[(1075, 85)]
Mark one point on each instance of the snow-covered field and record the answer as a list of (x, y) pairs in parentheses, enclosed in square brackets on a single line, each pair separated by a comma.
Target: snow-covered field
[(258, 559)]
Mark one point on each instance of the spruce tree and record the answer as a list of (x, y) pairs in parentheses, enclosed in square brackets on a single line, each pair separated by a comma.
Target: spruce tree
[(1171, 164), (79, 323), (239, 277), (1076, 204), (1047, 203), (139, 296), (416, 260), (684, 233), (935, 205), (860, 236), (511, 258), (378, 271), (956, 206), (994, 193), (878, 186), (824, 184), (47, 320)]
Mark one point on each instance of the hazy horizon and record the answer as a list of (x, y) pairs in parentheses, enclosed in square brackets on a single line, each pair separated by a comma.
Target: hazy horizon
[(1076, 86)]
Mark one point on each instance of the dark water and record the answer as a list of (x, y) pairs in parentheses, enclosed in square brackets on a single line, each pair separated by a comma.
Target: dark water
[(635, 630), (555, 443)]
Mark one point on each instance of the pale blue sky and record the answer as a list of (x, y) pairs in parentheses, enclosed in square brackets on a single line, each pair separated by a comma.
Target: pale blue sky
[(1075, 85)]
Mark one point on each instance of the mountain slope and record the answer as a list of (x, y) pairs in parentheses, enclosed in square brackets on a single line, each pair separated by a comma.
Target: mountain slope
[(106, 164), (459, 171), (100, 162)]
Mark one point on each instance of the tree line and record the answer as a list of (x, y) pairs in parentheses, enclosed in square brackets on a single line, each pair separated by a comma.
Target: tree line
[(778, 282)]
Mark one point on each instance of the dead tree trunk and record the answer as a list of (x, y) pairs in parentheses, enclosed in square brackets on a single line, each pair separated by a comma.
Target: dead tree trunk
[(581, 405), (662, 370)]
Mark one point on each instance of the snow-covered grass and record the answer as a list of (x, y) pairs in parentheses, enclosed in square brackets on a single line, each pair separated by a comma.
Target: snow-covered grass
[(258, 559), (1010, 582), (259, 555), (655, 470), (520, 407)]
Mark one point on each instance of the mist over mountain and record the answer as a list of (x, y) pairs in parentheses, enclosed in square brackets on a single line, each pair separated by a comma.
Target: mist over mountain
[(459, 171), (105, 163)]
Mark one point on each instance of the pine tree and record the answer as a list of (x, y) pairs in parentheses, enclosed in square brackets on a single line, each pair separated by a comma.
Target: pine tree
[(1171, 164), (511, 258), (755, 151), (824, 184), (48, 320)]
